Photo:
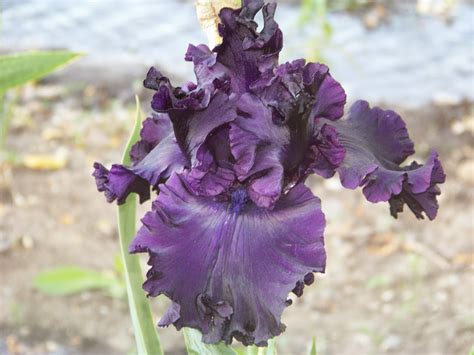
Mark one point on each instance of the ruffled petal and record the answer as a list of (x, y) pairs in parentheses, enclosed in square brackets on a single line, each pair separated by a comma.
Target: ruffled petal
[(426, 200), (171, 315), (194, 114), (119, 182), (246, 52), (211, 176), (162, 161), (298, 95), (194, 128), (229, 264), (376, 143), (209, 73), (326, 153), (154, 168), (168, 99), (330, 95), (154, 130), (257, 144), (267, 177)]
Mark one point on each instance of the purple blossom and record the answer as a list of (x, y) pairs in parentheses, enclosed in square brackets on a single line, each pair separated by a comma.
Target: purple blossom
[(233, 229)]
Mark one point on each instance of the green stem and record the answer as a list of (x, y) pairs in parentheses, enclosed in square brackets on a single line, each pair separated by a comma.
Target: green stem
[(144, 328)]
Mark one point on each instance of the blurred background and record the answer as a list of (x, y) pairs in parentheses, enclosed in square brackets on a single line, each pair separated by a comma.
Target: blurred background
[(391, 287)]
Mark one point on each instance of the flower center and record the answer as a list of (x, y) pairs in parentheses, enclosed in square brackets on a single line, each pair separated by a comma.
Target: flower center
[(238, 199)]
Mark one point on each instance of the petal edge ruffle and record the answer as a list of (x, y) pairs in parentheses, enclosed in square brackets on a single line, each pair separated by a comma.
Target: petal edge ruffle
[(230, 270)]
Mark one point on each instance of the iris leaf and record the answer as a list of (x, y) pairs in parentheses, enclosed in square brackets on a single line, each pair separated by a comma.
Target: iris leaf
[(144, 328), (72, 279), (269, 350), (313, 347), (195, 346), (18, 69)]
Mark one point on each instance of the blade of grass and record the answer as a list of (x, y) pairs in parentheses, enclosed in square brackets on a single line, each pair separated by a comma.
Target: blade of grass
[(144, 328)]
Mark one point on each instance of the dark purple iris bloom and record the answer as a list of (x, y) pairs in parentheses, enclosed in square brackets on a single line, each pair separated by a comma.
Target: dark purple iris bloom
[(233, 229)]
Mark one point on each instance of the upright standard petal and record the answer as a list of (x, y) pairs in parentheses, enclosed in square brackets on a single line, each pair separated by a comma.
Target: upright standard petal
[(297, 95), (376, 143), (194, 114), (228, 264), (246, 52)]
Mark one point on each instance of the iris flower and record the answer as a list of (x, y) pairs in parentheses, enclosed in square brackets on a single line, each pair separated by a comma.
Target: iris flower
[(233, 229)]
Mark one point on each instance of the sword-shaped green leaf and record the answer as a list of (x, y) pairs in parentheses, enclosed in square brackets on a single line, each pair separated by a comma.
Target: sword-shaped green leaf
[(144, 328)]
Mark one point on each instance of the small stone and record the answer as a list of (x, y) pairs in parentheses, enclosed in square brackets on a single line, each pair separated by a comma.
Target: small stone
[(105, 227), (75, 340), (24, 331), (67, 219), (407, 295), (27, 242), (52, 133), (392, 342), (104, 310), (387, 309), (51, 346), (388, 295)]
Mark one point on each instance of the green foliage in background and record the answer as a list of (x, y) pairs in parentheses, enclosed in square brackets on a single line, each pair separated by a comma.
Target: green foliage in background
[(314, 12), (18, 69), (69, 280)]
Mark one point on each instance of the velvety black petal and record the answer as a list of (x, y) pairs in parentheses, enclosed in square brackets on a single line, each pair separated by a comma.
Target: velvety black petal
[(228, 264)]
